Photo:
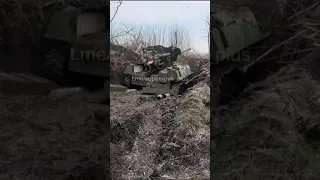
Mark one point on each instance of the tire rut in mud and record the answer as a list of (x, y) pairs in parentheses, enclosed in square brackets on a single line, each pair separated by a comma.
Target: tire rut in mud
[(137, 138), (168, 107)]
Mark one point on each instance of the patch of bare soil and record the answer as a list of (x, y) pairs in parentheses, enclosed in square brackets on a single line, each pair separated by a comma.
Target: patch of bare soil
[(136, 130), (46, 138), (159, 139), (273, 132)]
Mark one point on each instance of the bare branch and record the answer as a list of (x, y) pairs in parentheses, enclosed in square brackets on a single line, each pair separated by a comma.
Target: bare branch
[(114, 15), (121, 34)]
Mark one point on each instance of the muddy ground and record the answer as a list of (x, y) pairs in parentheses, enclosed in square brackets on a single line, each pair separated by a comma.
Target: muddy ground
[(158, 139), (54, 138)]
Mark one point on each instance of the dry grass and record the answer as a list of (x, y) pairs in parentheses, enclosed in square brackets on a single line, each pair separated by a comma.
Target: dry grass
[(266, 135), (199, 65), (119, 57), (160, 139), (185, 151)]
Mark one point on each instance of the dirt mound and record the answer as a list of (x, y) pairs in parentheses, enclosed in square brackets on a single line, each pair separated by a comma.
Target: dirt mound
[(117, 51), (185, 149), (119, 57), (268, 135), (199, 66), (44, 138)]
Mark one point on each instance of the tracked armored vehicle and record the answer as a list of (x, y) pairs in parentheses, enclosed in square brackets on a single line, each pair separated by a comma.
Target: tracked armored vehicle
[(76, 41), (158, 73), (234, 30)]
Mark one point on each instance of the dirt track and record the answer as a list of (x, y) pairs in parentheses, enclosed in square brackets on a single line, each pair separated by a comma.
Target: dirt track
[(45, 138), (158, 139), (137, 125)]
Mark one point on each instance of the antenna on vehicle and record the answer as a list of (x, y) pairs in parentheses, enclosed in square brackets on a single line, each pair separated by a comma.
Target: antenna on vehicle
[(176, 36)]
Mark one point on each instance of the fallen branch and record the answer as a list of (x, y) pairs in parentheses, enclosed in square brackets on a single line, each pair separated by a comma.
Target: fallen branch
[(50, 3), (270, 50), (303, 11)]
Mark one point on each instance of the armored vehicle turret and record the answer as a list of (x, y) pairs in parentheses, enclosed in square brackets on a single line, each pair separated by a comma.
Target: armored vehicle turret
[(158, 73)]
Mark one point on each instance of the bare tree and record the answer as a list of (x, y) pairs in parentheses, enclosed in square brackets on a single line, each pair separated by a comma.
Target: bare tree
[(119, 32), (166, 35), (207, 22), (114, 33), (179, 36), (208, 27)]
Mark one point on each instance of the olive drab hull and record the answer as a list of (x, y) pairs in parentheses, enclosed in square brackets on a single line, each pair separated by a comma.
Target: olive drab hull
[(162, 82), (165, 81), (234, 30)]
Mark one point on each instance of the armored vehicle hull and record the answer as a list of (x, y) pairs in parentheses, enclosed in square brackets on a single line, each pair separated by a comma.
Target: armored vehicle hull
[(159, 73), (75, 46), (169, 81), (235, 29)]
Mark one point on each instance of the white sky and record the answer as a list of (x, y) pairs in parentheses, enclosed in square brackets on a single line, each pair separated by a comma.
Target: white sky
[(190, 14)]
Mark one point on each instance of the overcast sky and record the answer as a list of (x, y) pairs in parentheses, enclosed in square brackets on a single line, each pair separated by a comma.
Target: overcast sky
[(190, 14)]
